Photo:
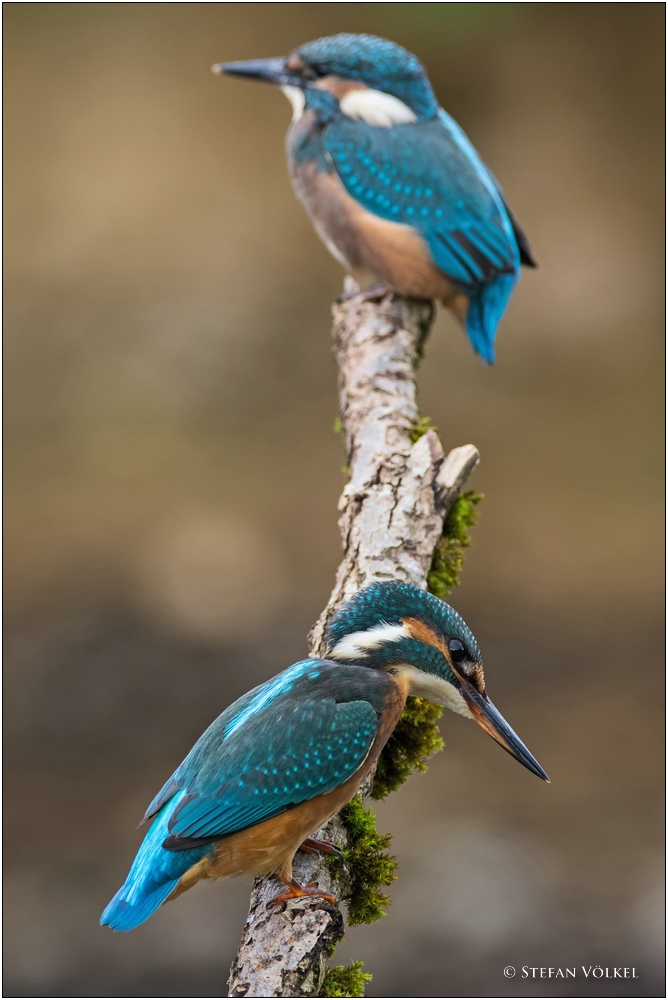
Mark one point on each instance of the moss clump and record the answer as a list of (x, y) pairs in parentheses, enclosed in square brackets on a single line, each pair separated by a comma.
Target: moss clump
[(338, 425), (419, 355), (345, 981), (414, 740), (449, 556), (423, 425), (368, 864)]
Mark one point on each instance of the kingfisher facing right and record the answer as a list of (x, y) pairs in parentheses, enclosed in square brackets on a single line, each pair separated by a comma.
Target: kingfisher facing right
[(392, 184), (284, 758)]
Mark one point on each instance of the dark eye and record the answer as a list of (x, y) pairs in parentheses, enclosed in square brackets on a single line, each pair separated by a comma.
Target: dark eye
[(457, 650)]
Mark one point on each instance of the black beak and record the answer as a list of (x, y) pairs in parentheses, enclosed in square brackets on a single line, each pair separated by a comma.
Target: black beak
[(269, 70), (491, 720)]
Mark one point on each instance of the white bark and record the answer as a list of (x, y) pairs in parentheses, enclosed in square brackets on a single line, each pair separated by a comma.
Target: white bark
[(391, 518)]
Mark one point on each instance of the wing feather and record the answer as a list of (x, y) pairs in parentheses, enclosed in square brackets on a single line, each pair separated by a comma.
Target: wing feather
[(298, 736), (428, 175), (326, 748)]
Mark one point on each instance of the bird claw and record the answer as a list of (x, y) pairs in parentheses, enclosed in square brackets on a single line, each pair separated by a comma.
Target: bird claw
[(314, 846), (297, 891)]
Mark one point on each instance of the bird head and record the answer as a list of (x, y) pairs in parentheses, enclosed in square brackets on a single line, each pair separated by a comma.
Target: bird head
[(409, 632), (369, 78)]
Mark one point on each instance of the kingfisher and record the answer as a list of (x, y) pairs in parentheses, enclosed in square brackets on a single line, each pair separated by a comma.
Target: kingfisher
[(287, 756), (392, 184)]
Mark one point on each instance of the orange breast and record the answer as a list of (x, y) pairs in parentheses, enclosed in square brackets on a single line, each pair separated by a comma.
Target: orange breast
[(372, 249)]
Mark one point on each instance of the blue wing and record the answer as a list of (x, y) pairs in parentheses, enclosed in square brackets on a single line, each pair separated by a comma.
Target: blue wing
[(428, 175), (300, 735)]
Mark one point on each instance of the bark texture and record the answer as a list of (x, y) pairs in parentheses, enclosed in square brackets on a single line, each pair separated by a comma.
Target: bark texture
[(391, 518)]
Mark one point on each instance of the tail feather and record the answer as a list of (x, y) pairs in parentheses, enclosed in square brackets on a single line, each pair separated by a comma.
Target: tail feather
[(121, 915), (154, 875), (484, 314)]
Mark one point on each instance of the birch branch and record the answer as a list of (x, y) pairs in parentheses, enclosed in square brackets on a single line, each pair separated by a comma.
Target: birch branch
[(391, 518)]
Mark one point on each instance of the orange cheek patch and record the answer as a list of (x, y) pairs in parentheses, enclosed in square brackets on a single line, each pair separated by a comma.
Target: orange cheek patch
[(418, 630), (295, 63), (338, 87)]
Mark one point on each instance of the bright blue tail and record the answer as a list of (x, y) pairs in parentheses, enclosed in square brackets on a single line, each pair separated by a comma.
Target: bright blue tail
[(122, 915), (485, 312), (155, 873)]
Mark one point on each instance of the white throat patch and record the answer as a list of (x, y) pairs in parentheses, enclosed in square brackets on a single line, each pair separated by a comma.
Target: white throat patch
[(296, 97), (356, 646), (433, 688), (376, 108)]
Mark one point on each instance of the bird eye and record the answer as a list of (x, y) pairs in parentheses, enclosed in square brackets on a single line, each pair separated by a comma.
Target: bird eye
[(457, 650)]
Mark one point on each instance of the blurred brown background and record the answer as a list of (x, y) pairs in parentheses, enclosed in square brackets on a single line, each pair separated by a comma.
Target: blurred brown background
[(172, 477)]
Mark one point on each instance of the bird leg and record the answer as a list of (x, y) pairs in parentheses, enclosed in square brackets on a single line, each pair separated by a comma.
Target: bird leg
[(378, 291), (295, 891), (312, 846)]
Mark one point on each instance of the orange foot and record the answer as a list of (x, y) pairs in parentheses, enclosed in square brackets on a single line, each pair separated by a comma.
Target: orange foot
[(312, 845), (295, 890)]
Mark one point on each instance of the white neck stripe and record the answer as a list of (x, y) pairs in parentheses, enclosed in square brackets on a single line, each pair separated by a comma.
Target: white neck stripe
[(376, 108), (357, 645)]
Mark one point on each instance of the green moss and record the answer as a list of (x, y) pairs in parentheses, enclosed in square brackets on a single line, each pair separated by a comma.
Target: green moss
[(419, 354), (414, 740), (345, 981), (423, 425), (367, 863), (448, 557)]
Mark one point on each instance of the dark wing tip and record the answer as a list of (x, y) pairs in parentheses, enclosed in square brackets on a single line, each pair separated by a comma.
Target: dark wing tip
[(173, 843), (527, 258)]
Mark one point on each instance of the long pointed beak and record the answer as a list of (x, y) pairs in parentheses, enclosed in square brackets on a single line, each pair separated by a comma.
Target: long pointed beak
[(269, 70), (491, 720)]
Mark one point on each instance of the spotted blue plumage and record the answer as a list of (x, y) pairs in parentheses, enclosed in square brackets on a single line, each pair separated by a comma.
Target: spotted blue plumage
[(299, 735), (427, 175), (303, 734), (423, 173)]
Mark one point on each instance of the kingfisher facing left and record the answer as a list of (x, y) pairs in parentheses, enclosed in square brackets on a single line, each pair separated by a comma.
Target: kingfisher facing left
[(392, 184), (284, 758)]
